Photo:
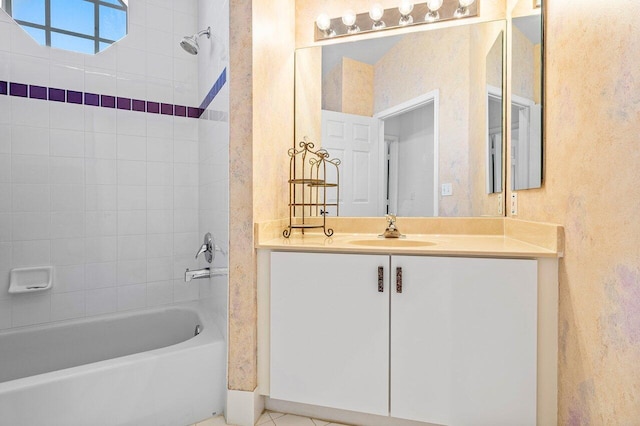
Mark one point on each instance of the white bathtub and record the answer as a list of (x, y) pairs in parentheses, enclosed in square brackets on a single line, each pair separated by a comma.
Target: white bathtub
[(142, 368)]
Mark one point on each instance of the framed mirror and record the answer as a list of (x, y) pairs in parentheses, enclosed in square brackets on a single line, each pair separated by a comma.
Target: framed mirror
[(526, 143), (416, 120)]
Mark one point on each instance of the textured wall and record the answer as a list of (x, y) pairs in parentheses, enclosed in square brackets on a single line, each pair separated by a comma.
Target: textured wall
[(261, 132), (451, 47), (357, 88), (592, 187)]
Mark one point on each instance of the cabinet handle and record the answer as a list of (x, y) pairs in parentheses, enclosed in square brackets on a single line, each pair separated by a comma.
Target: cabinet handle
[(380, 279), (399, 280)]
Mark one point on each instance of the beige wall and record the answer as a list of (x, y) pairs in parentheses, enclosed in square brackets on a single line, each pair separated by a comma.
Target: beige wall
[(357, 88), (261, 132), (331, 88), (308, 99), (592, 187)]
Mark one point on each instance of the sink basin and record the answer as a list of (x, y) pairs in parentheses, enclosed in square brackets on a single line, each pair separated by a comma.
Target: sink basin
[(391, 242)]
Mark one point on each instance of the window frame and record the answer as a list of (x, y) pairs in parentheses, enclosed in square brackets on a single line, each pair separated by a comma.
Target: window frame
[(48, 28)]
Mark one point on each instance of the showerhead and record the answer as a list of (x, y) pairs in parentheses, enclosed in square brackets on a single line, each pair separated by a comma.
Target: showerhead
[(190, 43)]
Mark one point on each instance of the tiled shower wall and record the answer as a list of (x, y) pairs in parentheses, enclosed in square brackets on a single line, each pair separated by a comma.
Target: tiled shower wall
[(108, 196)]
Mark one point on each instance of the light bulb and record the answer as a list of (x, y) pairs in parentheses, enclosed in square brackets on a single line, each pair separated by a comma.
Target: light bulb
[(349, 18), (434, 4), (376, 12), (405, 7), (466, 3), (323, 22)]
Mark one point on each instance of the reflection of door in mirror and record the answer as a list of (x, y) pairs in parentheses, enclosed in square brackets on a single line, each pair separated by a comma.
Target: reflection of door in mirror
[(526, 99), (494, 111)]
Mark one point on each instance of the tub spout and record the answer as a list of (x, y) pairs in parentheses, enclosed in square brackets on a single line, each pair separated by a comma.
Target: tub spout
[(204, 273), (196, 274)]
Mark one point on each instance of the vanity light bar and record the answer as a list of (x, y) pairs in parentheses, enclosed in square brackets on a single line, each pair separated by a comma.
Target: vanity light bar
[(326, 27)]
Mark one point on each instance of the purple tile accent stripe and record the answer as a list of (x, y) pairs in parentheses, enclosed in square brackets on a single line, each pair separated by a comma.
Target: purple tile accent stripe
[(213, 92), (38, 92), (18, 89), (53, 94)]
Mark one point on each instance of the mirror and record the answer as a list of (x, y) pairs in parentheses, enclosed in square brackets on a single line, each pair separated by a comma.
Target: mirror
[(526, 103), (411, 117)]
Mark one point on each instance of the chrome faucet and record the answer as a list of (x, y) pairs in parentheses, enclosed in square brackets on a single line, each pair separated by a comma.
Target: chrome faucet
[(391, 231), (209, 248)]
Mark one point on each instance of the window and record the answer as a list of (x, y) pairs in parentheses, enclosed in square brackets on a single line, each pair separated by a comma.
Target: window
[(87, 26)]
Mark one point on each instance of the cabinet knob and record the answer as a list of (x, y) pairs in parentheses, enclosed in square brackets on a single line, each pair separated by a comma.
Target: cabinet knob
[(399, 280), (381, 279)]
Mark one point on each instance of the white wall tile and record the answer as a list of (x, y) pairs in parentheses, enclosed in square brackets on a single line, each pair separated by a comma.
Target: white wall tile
[(29, 169), (28, 140), (5, 312), (160, 245), (29, 69), (159, 66), (131, 61), (131, 247), (131, 86), (159, 221), (101, 301), (159, 126), (102, 249), (67, 224), (186, 243), (102, 120), (66, 143), (132, 197), (101, 223), (185, 197), (5, 140), (67, 75), (101, 172), (67, 305), (5, 227), (160, 269), (101, 197), (185, 151), (132, 147), (66, 116), (132, 172), (68, 278), (160, 15), (159, 174), (30, 253), (31, 226), (160, 197), (68, 251), (132, 297), (132, 222), (183, 292), (100, 275), (131, 123), (100, 80), (29, 112), (31, 309), (64, 170), (5, 268), (185, 174), (185, 221), (31, 198), (185, 129), (158, 40), (132, 272), (100, 145), (159, 149), (158, 293), (5, 168), (67, 198), (22, 42), (5, 197)]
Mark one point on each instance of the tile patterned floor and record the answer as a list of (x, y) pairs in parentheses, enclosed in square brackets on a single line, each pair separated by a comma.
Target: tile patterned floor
[(272, 418)]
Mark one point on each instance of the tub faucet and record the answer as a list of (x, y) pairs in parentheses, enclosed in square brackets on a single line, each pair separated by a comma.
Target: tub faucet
[(391, 231), (197, 274)]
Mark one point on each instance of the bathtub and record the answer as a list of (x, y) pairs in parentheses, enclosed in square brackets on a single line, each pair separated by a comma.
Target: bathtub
[(142, 368)]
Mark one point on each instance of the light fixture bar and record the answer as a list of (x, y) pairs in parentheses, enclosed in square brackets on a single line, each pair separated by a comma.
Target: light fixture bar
[(391, 18)]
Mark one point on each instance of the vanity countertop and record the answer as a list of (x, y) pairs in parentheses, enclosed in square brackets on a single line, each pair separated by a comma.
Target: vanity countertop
[(506, 238)]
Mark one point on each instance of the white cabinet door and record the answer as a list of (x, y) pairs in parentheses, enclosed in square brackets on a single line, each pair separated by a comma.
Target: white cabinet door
[(463, 341), (330, 331)]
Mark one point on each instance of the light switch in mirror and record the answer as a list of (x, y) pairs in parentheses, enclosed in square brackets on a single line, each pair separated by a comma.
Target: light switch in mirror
[(526, 103), (407, 114)]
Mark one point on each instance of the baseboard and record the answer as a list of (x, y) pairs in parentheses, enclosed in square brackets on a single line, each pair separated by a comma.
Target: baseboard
[(338, 416), (244, 408)]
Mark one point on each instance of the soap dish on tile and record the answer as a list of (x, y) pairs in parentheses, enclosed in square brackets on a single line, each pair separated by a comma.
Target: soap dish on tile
[(28, 280)]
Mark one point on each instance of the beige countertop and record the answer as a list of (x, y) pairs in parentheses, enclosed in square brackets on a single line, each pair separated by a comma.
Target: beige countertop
[(502, 237)]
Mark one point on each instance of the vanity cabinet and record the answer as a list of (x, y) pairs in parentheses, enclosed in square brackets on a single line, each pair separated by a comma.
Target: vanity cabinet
[(454, 344)]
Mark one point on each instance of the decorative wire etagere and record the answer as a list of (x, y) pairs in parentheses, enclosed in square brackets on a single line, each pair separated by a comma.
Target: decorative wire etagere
[(308, 187)]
